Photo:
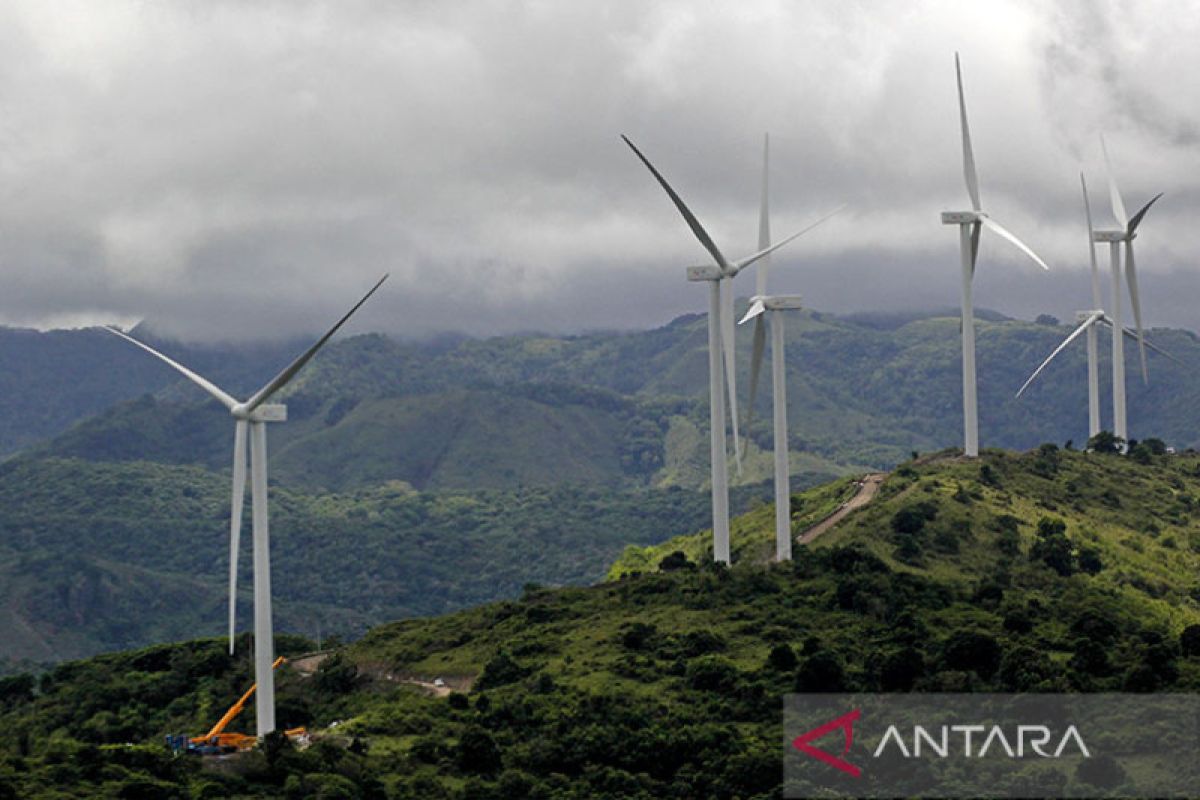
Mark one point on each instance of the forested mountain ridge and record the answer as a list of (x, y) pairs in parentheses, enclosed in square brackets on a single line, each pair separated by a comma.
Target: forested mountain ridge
[(629, 408), (1045, 571), (97, 557)]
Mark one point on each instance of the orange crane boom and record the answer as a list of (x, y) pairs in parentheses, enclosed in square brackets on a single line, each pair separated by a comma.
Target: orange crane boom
[(216, 741), (234, 710)]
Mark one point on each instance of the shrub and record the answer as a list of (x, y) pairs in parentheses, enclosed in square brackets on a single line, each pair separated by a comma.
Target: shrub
[(821, 672), (711, 674), (972, 650), (901, 670), (1089, 560), (500, 671), (1052, 547), (911, 520), (1189, 641), (477, 752), (782, 658), (1106, 442), (674, 561)]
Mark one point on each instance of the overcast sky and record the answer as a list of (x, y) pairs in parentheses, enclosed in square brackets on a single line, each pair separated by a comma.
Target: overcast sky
[(234, 169)]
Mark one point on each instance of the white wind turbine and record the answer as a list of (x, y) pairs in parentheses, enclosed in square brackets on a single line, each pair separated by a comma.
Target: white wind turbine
[(970, 223), (760, 304), (719, 341), (252, 416), (1088, 320), (1127, 233)]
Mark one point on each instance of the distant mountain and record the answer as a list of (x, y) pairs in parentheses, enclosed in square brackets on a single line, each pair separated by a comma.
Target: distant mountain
[(501, 461), (1048, 571), (49, 381), (630, 409)]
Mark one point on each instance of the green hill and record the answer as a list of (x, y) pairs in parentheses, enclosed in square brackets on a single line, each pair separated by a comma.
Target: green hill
[(50, 380), (1044, 571), (97, 557), (622, 409)]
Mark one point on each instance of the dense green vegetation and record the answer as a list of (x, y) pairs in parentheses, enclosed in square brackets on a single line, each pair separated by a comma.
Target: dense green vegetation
[(1046, 571), (614, 408), (97, 557), (50, 380)]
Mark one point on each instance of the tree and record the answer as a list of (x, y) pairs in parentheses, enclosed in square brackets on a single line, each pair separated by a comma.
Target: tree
[(1189, 641), (821, 672), (1106, 442), (477, 751), (782, 658), (1090, 561), (901, 669), (674, 561), (501, 670), (972, 650), (1046, 319), (1052, 546)]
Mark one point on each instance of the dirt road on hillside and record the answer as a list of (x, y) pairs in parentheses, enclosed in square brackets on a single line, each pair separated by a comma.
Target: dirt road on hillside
[(867, 488)]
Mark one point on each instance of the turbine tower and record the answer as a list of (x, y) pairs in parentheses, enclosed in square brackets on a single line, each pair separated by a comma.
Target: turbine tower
[(760, 305), (1125, 234), (251, 418), (1088, 322), (719, 342), (969, 224)]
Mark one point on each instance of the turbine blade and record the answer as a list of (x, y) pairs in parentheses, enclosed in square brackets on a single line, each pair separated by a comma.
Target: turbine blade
[(280, 380), (235, 521), (729, 346), (756, 359), (976, 227), (692, 222), (1131, 334), (1114, 194), (968, 153), (1097, 301), (764, 223), (1137, 218), (1152, 346), (1000, 230), (1135, 301), (205, 384), (756, 308), (1089, 322), (741, 264)]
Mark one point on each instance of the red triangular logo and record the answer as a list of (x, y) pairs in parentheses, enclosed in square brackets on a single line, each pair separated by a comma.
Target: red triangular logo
[(846, 724)]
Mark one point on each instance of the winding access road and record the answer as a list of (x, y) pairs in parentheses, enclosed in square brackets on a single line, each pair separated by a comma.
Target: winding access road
[(867, 488)]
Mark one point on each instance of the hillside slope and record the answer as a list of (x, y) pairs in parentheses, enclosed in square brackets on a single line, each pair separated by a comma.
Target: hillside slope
[(620, 408), (97, 557), (669, 683)]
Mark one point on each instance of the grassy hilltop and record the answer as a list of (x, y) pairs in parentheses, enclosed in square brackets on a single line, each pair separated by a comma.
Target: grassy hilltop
[(1043, 571)]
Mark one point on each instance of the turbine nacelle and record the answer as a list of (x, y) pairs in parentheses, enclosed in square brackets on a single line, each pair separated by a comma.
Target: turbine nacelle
[(1084, 316), (1110, 236), (961, 217), (267, 412), (705, 273)]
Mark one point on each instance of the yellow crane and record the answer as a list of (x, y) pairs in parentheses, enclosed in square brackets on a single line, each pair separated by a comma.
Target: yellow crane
[(216, 741)]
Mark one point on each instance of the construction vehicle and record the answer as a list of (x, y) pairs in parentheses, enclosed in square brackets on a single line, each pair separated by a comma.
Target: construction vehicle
[(216, 741)]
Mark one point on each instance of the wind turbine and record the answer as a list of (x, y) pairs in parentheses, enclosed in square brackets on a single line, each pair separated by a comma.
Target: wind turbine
[(1088, 322), (1125, 234), (969, 224), (251, 418), (719, 341), (762, 305)]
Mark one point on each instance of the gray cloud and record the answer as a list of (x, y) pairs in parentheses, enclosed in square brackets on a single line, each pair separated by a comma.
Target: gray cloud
[(246, 169)]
